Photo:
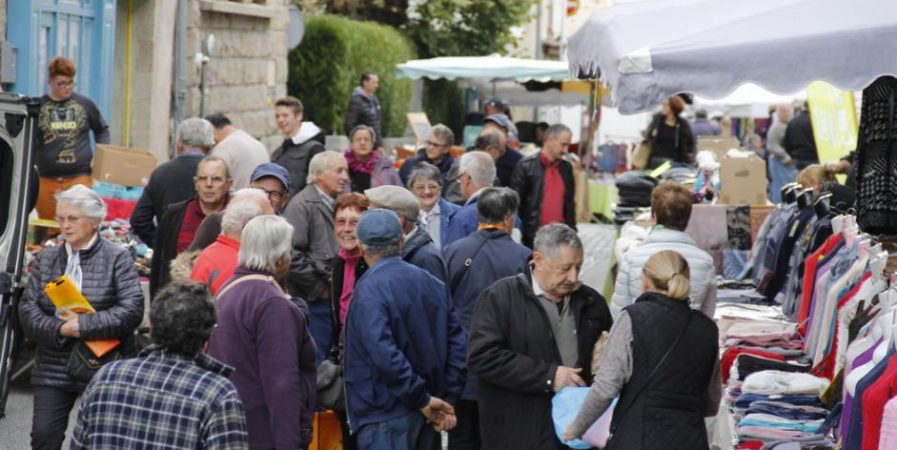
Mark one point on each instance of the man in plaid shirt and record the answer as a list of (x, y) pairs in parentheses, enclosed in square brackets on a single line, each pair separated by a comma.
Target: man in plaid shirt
[(172, 396)]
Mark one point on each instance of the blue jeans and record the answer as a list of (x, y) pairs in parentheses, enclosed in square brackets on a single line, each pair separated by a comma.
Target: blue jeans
[(409, 432), (320, 325), (780, 175)]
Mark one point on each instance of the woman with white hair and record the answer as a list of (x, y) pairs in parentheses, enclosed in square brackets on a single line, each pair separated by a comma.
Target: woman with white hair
[(264, 336), (104, 274)]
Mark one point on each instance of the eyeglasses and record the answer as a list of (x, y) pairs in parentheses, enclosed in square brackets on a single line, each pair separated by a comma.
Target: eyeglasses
[(68, 219), (209, 179), (274, 196), (433, 187), (346, 222), (64, 84), (458, 178), (435, 144)]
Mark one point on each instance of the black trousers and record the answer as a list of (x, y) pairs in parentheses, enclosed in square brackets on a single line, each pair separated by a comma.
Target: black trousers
[(466, 434), (50, 417)]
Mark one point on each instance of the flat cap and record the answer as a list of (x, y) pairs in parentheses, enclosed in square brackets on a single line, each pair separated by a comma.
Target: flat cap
[(395, 198)]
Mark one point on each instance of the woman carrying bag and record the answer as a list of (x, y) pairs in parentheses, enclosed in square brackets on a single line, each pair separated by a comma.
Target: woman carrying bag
[(104, 274), (662, 362)]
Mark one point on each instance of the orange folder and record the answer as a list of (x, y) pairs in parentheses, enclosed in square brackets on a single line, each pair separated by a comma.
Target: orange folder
[(65, 295)]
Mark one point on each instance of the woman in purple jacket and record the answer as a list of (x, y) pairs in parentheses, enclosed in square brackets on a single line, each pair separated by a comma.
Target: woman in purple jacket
[(264, 336), (367, 166)]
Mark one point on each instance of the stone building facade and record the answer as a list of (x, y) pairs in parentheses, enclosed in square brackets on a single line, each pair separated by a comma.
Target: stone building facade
[(245, 73)]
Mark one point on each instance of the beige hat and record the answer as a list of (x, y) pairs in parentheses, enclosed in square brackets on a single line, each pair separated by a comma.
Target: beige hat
[(396, 198)]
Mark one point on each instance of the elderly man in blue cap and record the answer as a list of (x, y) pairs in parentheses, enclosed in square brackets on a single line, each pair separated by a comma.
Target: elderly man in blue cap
[(405, 348)]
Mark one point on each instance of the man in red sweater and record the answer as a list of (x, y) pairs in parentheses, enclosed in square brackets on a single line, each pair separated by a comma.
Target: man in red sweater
[(217, 262), (545, 184)]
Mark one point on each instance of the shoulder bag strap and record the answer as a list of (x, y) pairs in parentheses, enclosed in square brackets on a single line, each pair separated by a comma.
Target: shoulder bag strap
[(468, 262), (663, 359), (247, 278)]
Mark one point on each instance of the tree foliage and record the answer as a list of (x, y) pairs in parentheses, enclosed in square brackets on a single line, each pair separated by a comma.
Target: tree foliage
[(465, 27), (328, 63), (444, 27)]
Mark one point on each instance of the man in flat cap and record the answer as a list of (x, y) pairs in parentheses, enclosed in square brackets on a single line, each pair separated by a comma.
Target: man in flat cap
[(419, 248), (405, 348)]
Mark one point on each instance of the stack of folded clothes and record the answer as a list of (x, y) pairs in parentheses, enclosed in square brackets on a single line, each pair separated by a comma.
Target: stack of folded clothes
[(775, 406)]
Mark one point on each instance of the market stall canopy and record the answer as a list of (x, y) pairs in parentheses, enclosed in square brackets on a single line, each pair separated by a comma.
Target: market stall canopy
[(491, 67), (517, 94), (748, 100), (647, 51)]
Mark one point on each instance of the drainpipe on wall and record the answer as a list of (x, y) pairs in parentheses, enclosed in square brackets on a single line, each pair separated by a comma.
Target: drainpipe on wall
[(179, 94)]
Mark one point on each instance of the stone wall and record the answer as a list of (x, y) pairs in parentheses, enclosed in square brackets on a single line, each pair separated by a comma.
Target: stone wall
[(247, 70)]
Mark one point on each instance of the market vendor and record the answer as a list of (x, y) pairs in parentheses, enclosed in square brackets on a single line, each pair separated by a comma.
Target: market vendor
[(670, 135), (64, 152)]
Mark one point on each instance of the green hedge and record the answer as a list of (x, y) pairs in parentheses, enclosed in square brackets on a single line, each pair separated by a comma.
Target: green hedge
[(327, 65)]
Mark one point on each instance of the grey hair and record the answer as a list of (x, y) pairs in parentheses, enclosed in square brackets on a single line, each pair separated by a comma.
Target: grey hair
[(382, 251), (489, 137), (480, 166), (552, 236), (213, 158), (321, 162), (266, 240), (443, 133), (244, 205), (85, 199), (495, 204), (425, 171), (556, 130), (196, 132), (363, 127)]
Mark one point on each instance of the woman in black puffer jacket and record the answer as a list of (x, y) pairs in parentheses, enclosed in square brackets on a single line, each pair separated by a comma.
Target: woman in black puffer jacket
[(107, 278)]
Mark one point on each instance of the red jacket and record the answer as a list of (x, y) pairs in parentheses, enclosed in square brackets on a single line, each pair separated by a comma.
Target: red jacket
[(216, 263)]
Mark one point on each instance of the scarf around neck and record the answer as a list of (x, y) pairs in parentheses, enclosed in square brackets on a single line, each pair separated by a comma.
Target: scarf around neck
[(357, 165)]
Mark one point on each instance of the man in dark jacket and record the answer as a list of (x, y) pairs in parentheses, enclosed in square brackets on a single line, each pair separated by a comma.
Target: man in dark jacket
[(799, 141), (303, 140), (545, 184), (178, 225), (476, 172), (419, 248), (404, 361), (314, 242), (171, 182), (364, 107), (530, 338), (474, 263), (509, 158), (436, 152)]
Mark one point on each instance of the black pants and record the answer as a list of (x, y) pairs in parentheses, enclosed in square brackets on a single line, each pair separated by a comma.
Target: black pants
[(51, 417), (466, 434)]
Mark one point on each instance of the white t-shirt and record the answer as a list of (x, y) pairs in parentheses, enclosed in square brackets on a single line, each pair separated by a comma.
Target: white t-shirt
[(242, 153)]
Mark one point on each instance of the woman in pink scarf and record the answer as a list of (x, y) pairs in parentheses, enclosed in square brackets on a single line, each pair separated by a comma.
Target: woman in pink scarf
[(348, 267), (368, 167)]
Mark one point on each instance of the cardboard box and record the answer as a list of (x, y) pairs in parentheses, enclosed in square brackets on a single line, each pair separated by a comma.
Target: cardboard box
[(742, 181), (122, 165), (718, 145)]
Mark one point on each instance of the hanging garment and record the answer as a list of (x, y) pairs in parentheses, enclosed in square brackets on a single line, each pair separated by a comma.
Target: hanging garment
[(877, 158)]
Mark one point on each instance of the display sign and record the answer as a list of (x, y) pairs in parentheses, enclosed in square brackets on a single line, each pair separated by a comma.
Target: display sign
[(834, 118)]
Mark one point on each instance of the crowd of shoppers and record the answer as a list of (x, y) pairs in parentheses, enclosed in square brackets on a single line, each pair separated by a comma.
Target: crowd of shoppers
[(465, 318)]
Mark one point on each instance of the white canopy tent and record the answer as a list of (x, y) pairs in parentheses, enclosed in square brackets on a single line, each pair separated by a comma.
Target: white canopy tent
[(749, 100), (647, 51), (492, 67)]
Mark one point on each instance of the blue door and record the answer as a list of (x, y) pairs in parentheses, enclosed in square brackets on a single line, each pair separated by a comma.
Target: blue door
[(82, 30)]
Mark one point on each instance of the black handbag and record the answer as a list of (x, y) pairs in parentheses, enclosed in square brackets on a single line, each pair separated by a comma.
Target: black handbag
[(83, 363)]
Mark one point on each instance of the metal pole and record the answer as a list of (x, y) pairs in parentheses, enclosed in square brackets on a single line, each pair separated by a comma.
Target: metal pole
[(180, 71)]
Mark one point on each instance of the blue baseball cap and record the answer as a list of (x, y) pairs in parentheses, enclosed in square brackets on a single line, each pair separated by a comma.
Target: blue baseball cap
[(270, 169), (379, 227)]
